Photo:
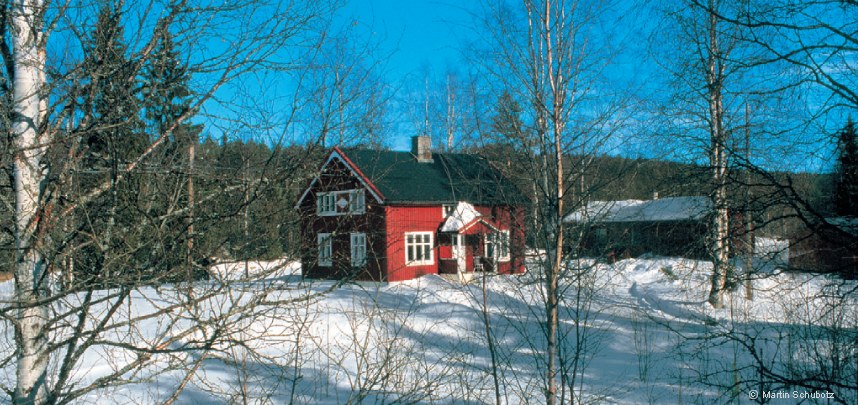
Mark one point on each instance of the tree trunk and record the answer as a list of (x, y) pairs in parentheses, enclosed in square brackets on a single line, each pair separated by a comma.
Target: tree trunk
[(490, 340), (558, 97), (30, 267), (191, 157), (451, 114), (747, 215), (718, 163)]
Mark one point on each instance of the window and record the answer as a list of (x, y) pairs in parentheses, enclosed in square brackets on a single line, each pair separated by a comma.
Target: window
[(326, 251), (497, 246), (325, 203), (358, 249), (447, 210), (418, 248), (341, 202), (357, 202)]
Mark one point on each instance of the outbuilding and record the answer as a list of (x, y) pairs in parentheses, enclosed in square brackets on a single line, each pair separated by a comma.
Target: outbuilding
[(673, 226)]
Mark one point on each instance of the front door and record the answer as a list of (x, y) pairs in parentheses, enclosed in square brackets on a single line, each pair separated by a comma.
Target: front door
[(459, 252)]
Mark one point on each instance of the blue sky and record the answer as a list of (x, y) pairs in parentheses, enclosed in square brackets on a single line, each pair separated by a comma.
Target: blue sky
[(417, 32), (420, 37), (426, 36)]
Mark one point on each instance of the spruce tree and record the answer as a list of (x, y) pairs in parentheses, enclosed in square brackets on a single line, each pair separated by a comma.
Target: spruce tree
[(166, 101), (165, 89), (115, 129), (112, 136), (507, 122), (846, 172)]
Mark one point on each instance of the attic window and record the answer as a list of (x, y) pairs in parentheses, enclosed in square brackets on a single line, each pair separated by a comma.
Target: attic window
[(341, 203), (357, 202), (326, 204), (447, 210)]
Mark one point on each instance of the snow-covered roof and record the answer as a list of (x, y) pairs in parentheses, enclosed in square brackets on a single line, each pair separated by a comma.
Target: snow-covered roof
[(845, 224), (464, 214), (663, 209)]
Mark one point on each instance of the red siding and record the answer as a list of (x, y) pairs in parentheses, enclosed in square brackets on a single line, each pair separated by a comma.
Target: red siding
[(402, 219), (512, 219), (825, 250)]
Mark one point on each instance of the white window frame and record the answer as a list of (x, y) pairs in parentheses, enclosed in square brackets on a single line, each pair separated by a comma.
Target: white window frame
[(357, 202), (444, 210), (419, 242), (326, 203), (358, 248), (503, 242), (325, 245)]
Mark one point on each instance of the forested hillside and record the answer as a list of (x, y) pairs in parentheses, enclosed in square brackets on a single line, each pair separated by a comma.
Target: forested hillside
[(244, 219)]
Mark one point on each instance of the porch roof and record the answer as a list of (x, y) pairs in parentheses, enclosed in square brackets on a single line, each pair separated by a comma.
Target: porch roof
[(462, 215)]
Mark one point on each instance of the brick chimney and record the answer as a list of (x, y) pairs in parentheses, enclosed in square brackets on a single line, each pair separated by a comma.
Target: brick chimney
[(421, 148)]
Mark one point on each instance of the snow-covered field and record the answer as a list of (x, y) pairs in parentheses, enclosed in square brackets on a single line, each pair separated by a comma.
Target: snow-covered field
[(637, 331)]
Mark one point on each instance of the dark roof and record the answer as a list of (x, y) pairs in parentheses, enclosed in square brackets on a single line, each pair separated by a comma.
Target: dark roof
[(449, 178)]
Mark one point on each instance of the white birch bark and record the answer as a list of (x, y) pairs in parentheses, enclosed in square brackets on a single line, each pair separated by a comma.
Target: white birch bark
[(30, 277), (548, 90), (718, 163), (558, 98)]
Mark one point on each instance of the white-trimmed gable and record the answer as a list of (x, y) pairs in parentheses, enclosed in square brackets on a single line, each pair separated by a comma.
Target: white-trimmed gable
[(462, 215), (336, 155)]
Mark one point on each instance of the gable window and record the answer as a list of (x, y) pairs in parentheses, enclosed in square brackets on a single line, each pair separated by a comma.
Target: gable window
[(447, 210), (497, 246), (418, 248), (326, 203), (357, 202), (326, 249), (341, 202), (358, 249)]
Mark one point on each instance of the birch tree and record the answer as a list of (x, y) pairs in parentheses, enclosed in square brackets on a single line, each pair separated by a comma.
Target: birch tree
[(811, 48), (345, 98), (816, 39), (544, 54), (703, 63), (27, 63), (715, 71), (791, 50)]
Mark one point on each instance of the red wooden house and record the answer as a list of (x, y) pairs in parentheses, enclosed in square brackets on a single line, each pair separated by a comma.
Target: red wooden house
[(393, 216)]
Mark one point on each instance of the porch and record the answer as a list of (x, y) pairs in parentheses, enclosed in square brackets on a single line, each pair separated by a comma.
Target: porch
[(466, 253)]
